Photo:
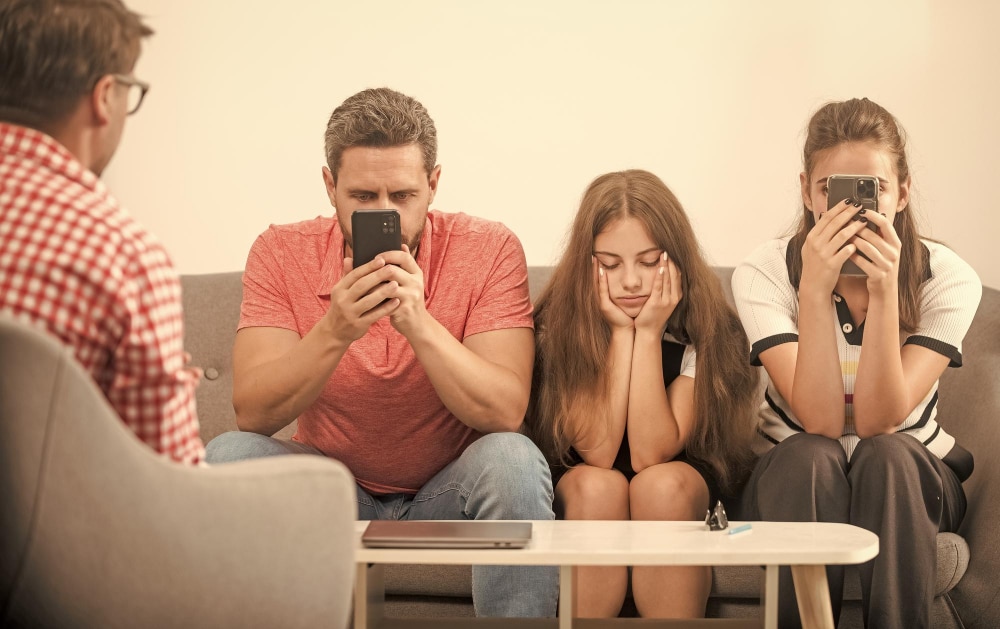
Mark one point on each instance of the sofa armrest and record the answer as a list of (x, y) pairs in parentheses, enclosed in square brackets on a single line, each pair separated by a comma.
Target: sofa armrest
[(97, 530), (211, 313), (970, 410)]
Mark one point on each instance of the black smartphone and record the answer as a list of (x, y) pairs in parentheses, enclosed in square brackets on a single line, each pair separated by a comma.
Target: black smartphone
[(374, 232), (864, 190)]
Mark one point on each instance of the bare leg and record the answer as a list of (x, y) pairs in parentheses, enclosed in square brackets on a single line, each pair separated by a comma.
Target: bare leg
[(592, 493), (670, 491)]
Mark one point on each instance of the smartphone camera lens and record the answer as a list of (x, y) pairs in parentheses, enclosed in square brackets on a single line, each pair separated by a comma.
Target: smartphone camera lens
[(866, 189)]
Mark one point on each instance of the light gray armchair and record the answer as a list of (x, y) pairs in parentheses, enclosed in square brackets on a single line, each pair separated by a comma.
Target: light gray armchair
[(98, 531)]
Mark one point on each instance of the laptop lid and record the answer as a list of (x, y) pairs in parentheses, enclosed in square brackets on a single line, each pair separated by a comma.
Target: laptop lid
[(446, 534)]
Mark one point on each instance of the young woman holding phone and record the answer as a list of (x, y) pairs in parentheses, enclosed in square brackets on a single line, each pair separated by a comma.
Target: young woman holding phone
[(848, 423), (632, 428)]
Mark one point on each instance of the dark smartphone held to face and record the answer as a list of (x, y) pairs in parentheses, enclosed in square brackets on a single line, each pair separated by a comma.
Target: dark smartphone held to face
[(863, 191), (374, 232)]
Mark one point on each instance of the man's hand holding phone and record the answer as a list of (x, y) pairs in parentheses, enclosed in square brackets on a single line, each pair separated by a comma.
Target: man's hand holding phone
[(377, 234), (367, 291), (406, 317), (385, 281), (361, 297)]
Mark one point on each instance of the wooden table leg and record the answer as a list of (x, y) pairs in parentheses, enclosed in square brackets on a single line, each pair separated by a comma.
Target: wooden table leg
[(369, 596), (770, 597), (567, 597), (813, 594)]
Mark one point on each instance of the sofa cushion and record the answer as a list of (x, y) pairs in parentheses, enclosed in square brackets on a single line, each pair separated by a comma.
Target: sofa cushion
[(410, 580)]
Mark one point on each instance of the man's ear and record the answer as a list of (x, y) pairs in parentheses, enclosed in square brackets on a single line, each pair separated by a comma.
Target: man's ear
[(432, 182), (102, 100), (806, 197), (331, 186)]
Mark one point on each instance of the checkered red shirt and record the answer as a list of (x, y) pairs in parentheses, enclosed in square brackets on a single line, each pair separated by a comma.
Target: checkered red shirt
[(75, 263)]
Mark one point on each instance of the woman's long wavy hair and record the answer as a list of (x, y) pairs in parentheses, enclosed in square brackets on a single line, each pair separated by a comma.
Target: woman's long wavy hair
[(571, 371), (861, 120)]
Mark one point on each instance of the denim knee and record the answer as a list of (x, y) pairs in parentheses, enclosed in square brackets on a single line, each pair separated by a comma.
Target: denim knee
[(514, 474), (238, 446)]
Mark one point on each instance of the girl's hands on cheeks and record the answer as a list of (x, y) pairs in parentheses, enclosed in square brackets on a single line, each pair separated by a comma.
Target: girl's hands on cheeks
[(663, 299), (883, 250), (828, 245), (614, 315)]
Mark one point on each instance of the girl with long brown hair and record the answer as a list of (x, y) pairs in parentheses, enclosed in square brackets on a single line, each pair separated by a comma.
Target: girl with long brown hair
[(632, 429), (848, 423)]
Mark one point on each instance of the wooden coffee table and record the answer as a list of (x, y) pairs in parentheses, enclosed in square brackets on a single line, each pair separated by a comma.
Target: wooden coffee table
[(808, 547)]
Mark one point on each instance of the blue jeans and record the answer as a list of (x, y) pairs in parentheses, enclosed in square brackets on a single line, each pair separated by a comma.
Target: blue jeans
[(501, 476)]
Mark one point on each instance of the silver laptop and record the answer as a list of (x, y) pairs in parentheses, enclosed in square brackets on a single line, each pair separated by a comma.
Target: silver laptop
[(446, 534)]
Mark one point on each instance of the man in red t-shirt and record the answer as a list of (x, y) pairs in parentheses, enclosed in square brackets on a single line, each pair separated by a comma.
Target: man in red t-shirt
[(413, 369)]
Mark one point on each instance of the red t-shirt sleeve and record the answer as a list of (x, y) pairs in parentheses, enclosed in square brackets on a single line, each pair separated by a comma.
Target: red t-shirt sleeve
[(504, 302), (265, 297)]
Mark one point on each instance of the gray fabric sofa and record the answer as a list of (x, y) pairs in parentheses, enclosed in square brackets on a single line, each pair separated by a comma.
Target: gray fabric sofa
[(968, 564)]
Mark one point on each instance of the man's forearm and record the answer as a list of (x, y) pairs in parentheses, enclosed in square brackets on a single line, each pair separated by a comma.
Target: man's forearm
[(484, 395), (269, 396)]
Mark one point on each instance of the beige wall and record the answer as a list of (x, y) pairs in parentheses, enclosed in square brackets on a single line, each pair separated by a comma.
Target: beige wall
[(533, 99)]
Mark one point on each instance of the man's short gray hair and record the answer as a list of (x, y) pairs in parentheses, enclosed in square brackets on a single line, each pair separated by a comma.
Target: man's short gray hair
[(380, 117)]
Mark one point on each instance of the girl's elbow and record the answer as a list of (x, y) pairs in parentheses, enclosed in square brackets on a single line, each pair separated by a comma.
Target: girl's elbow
[(641, 461), (875, 422), (830, 432), (638, 464), (833, 433), (830, 425), (867, 432)]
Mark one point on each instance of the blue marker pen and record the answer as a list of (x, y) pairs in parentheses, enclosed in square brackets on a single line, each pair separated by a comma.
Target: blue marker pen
[(743, 528)]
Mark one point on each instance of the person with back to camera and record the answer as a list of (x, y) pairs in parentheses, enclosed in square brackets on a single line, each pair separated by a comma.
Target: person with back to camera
[(72, 260), (413, 369), (630, 308), (853, 362)]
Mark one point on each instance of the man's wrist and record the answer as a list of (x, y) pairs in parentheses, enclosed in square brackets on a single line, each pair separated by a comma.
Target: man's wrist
[(332, 338), (419, 329)]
